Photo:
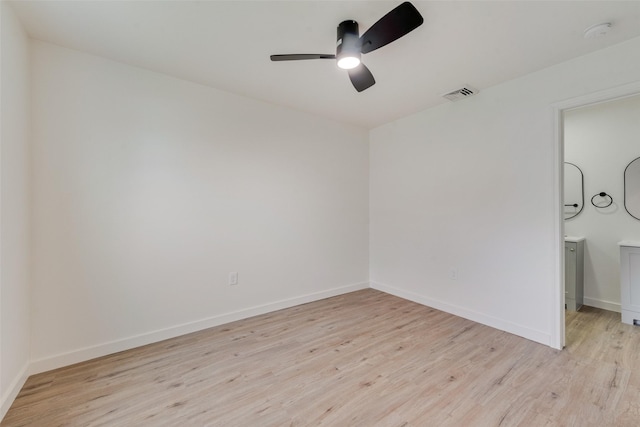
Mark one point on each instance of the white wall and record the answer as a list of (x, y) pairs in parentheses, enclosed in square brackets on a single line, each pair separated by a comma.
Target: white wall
[(149, 190), (14, 208), (601, 140), (470, 186)]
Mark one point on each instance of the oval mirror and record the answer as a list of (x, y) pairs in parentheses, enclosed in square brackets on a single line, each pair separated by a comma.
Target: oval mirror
[(632, 188), (573, 190)]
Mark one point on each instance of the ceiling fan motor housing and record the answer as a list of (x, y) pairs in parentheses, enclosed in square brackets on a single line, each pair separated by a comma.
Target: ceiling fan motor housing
[(348, 40)]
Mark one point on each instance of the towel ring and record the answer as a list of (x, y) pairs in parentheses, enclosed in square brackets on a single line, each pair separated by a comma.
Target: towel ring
[(602, 194)]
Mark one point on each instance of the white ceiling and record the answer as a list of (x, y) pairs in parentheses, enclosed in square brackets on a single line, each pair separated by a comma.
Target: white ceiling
[(226, 45)]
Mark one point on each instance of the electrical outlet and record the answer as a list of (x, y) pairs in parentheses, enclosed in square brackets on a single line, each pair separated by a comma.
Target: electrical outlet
[(233, 278), (454, 274)]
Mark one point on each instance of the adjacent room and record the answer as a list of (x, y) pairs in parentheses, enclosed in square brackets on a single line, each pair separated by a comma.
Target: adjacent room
[(265, 213), (600, 147)]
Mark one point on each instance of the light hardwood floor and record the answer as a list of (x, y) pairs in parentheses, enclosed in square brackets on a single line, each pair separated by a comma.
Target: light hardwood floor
[(361, 359)]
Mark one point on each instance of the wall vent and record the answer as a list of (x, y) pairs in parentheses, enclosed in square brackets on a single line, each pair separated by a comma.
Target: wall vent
[(461, 93)]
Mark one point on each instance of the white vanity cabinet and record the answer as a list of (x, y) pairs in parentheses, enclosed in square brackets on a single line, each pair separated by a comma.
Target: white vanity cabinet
[(573, 272), (630, 282)]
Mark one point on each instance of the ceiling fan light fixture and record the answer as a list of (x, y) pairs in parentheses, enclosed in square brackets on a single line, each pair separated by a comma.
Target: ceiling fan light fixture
[(400, 21), (348, 62), (348, 45)]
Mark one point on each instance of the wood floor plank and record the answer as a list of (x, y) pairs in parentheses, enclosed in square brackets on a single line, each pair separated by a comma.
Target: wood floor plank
[(361, 359)]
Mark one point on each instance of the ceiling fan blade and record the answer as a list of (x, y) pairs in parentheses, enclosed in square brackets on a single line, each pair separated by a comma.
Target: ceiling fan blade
[(361, 77), (299, 56), (395, 24)]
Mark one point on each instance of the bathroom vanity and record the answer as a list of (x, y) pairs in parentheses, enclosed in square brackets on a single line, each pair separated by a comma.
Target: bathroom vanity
[(630, 281), (573, 272)]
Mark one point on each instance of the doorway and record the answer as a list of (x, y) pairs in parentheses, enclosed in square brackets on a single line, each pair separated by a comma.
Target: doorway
[(591, 207)]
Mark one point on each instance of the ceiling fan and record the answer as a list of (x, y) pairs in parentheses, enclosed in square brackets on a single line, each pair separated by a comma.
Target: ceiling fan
[(395, 24)]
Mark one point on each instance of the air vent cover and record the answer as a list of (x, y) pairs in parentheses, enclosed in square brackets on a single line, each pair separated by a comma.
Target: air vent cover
[(461, 93)]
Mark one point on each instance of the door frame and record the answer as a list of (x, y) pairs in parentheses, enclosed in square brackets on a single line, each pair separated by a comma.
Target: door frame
[(611, 94)]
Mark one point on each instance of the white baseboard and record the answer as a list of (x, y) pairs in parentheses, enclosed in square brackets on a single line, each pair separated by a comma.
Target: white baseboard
[(10, 395), (503, 325), (605, 305), (87, 353)]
